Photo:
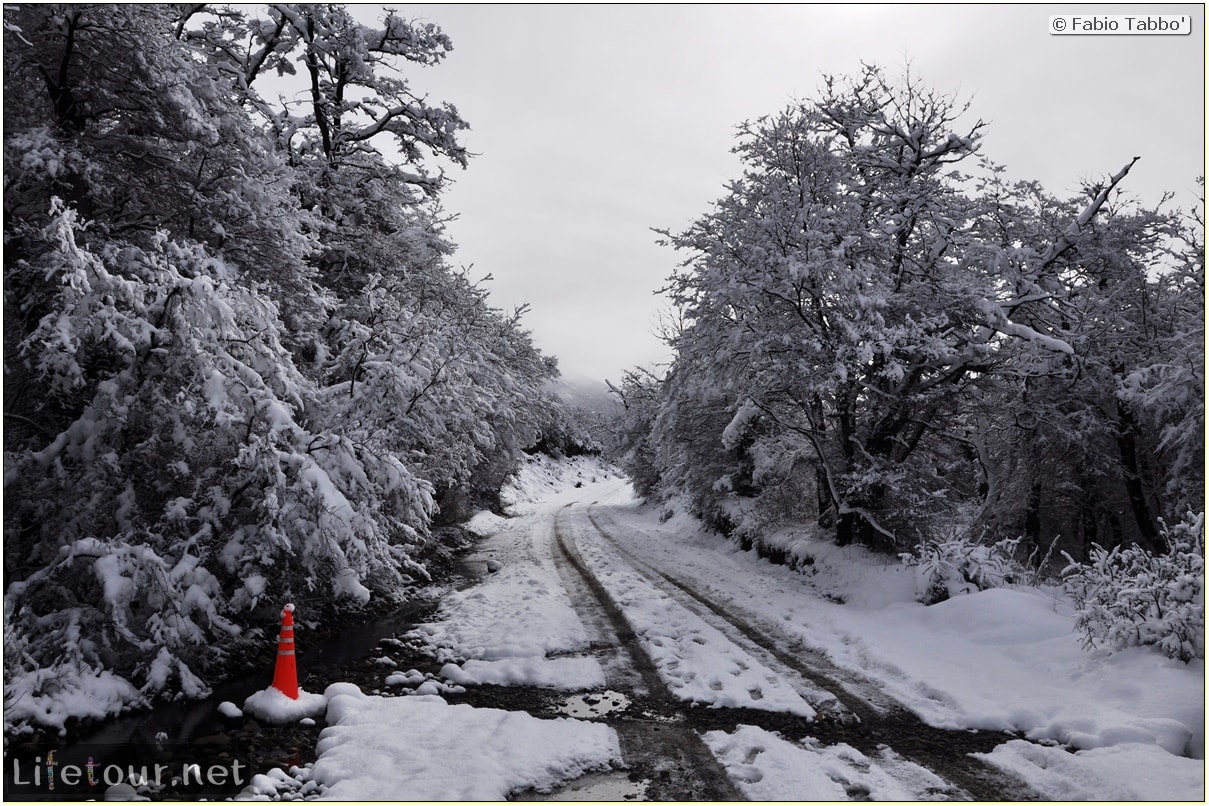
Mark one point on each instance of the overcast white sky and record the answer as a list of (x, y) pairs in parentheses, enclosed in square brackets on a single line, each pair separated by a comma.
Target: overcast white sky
[(595, 124)]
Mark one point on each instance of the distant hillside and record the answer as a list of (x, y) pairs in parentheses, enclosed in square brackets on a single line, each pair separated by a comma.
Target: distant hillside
[(583, 392)]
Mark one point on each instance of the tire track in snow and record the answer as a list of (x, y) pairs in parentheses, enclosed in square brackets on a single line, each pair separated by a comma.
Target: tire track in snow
[(877, 726), (861, 706), (682, 766)]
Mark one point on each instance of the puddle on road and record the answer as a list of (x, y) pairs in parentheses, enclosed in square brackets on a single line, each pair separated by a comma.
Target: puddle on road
[(601, 786), (594, 704)]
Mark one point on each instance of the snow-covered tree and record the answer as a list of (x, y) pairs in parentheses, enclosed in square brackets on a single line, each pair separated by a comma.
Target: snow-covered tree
[(1128, 596), (919, 346), (108, 111), (356, 99), (830, 294), (1165, 386), (1077, 449), (631, 431), (240, 369)]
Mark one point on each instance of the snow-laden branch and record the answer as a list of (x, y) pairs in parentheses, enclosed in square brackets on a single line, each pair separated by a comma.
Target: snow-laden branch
[(1072, 233), (998, 314), (733, 434), (997, 320)]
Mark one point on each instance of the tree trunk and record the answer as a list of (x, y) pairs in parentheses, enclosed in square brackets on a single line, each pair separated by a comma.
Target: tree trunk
[(67, 113), (1032, 516), (1090, 527), (823, 494), (1127, 445), (847, 528), (854, 527), (826, 517)]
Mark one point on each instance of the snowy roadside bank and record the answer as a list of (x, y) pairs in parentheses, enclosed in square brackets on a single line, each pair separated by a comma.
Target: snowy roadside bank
[(1006, 659), (448, 752)]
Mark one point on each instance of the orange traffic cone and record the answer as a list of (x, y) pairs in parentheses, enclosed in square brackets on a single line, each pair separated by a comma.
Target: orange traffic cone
[(285, 673)]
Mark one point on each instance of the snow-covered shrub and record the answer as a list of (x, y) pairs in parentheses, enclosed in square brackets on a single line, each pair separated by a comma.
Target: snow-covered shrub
[(1131, 597), (954, 566), (785, 484)]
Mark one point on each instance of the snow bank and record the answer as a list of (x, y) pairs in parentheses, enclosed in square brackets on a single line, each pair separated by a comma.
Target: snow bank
[(1003, 659), (1009, 659), (421, 748), (51, 696), (271, 705), (572, 674), (485, 523), (517, 626), (541, 477), (767, 767), (1124, 772)]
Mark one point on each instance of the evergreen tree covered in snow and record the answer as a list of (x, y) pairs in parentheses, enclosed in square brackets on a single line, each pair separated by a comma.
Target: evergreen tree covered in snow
[(239, 367)]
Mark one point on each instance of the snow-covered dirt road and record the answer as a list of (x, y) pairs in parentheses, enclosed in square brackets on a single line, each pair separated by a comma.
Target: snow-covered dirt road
[(611, 651), (756, 686), (760, 680)]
